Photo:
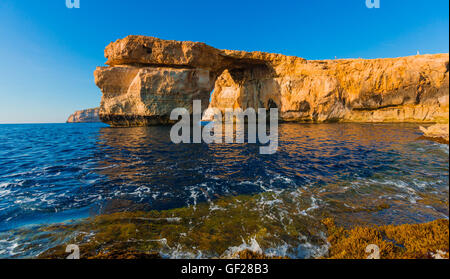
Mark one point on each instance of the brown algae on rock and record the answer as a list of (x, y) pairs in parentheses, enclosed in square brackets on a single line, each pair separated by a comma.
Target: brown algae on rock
[(267, 225), (417, 241), (224, 229)]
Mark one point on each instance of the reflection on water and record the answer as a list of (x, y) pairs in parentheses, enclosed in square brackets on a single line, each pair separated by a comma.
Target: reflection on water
[(380, 157), (376, 173)]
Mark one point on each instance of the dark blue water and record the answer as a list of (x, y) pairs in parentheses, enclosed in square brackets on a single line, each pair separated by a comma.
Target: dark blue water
[(57, 172)]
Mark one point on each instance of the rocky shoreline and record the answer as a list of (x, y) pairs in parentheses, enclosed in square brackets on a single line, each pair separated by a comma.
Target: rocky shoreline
[(437, 132), (198, 231), (407, 241)]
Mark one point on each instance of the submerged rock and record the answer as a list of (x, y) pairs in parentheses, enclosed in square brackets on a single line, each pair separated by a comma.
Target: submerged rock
[(85, 116), (437, 132), (148, 77)]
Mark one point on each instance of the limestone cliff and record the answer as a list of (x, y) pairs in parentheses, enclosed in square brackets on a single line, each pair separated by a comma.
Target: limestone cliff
[(85, 116), (148, 77)]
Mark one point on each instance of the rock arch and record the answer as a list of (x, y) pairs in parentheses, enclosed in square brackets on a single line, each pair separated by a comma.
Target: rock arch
[(148, 77)]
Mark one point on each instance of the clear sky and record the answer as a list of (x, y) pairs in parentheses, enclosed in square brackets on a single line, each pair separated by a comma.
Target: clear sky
[(48, 53)]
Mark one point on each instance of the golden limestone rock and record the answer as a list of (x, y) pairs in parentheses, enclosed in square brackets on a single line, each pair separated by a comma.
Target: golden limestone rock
[(138, 96), (148, 77), (407, 241), (437, 132)]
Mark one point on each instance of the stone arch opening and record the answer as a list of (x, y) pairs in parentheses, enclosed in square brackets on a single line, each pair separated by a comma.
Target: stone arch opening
[(246, 84)]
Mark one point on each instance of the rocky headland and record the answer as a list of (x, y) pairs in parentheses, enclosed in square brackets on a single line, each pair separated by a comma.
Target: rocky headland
[(85, 116), (147, 77)]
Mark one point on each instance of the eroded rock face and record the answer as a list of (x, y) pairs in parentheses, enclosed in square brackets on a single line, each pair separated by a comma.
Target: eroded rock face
[(85, 116), (137, 96), (396, 90), (148, 77)]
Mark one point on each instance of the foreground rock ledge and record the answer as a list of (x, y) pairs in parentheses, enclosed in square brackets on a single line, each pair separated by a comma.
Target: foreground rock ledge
[(437, 132), (148, 77)]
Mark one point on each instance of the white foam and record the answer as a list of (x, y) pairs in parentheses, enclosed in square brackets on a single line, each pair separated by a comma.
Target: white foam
[(213, 207), (4, 193), (8, 247), (4, 184), (314, 205), (253, 246)]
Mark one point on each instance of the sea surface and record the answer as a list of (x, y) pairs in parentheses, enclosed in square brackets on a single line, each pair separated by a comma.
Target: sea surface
[(354, 173)]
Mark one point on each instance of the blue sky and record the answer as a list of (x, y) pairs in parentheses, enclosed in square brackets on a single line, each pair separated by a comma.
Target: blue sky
[(48, 53)]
